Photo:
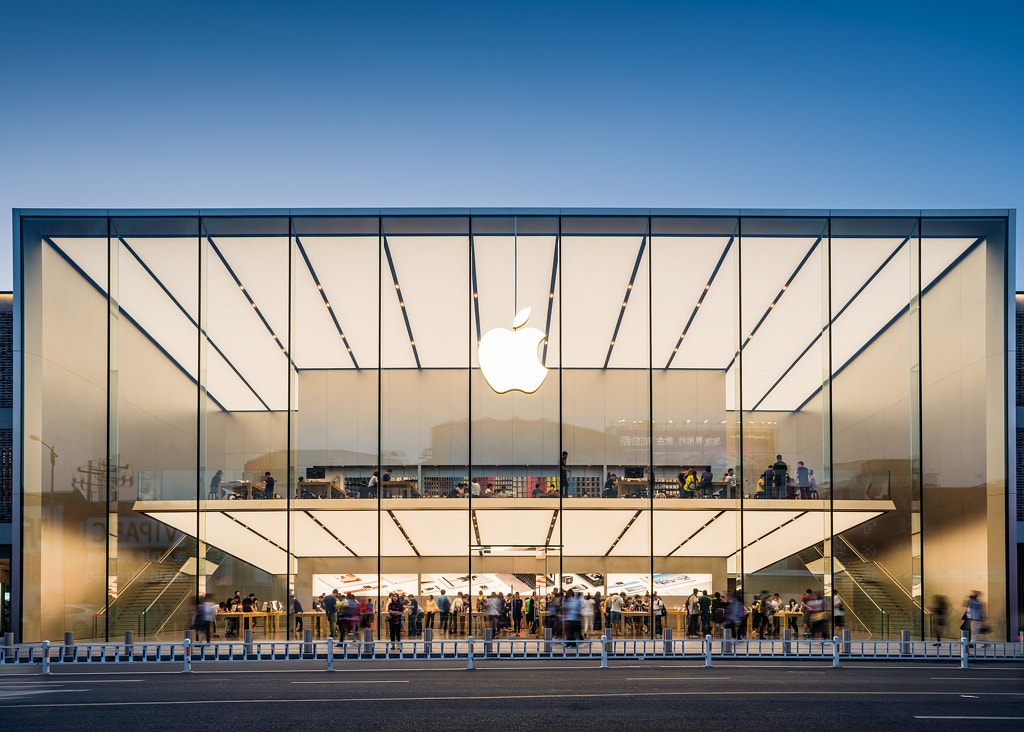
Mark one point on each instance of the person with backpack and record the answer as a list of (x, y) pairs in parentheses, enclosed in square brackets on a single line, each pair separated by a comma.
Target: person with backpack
[(706, 481)]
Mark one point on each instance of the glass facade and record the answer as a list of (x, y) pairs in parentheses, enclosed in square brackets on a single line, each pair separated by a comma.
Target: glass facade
[(287, 403)]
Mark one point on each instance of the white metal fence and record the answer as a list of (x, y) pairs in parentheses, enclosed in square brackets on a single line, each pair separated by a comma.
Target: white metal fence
[(470, 651)]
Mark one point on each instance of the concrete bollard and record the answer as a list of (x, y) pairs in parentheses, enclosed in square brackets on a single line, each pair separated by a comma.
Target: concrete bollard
[(330, 653), (187, 646), (248, 643), (847, 646), (428, 641), (188, 634), (787, 638), (368, 643), (727, 645), (469, 652), (605, 642), (707, 651), (487, 641), (129, 641), (46, 659), (8, 639), (835, 651), (963, 651), (307, 642), (904, 643), (667, 643), (69, 642), (547, 641)]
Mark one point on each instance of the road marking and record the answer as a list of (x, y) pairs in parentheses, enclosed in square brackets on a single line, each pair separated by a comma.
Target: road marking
[(675, 678), (392, 699), (917, 717), (968, 678), (359, 681), (83, 681)]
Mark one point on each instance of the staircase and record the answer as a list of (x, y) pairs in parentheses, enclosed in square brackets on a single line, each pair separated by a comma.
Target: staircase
[(872, 600), (152, 601)]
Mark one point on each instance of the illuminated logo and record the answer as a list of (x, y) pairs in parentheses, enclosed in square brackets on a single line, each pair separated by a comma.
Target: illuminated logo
[(508, 358)]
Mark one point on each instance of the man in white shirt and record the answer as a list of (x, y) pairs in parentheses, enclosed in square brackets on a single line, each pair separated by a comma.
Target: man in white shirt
[(615, 611), (692, 613)]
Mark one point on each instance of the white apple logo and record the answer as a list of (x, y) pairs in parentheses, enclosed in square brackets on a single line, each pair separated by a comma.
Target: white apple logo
[(508, 358)]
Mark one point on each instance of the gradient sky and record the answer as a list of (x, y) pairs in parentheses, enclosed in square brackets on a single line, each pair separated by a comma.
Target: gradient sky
[(657, 104)]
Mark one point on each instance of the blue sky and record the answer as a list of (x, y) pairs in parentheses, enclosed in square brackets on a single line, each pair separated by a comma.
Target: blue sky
[(683, 104)]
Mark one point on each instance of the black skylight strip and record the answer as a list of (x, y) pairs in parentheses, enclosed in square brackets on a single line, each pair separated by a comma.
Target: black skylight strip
[(700, 300), (398, 525), (248, 297), (192, 321), (252, 530), (551, 301), (327, 303), (401, 302), (334, 536), (690, 537), (625, 300), (832, 322), (476, 291), (896, 317), (782, 292), (623, 532), (71, 263)]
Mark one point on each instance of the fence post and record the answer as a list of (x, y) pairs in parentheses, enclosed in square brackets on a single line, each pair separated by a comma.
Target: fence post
[(604, 650), (469, 652), (46, 659), (904, 643), (248, 643), (847, 646), (835, 651), (707, 651), (963, 651), (187, 644), (367, 642), (330, 653)]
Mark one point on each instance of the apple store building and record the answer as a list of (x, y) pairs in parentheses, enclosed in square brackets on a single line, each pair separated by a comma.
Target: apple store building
[(640, 404)]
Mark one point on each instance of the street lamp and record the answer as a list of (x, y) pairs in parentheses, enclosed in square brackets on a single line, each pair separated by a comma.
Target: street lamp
[(53, 456)]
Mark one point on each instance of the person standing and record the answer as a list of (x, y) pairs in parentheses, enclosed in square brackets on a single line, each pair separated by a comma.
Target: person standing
[(297, 612), (730, 483), (803, 480), (975, 616), (215, 485), (780, 468), (692, 613), (516, 611), (704, 603), (444, 606), (371, 486), (395, 611), (615, 611), (588, 615), (430, 607), (564, 474), (268, 485), (330, 604)]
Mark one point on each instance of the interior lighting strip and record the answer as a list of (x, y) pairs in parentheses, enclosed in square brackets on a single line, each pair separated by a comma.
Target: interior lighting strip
[(625, 299), (551, 528), (401, 303), (330, 533), (623, 532), (251, 530), (476, 531), (402, 529), (327, 303), (769, 533), (703, 294), (551, 299), (248, 297), (691, 536), (782, 292), (191, 320), (476, 292)]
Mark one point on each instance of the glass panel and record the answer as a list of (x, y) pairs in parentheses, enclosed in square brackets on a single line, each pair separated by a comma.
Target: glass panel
[(694, 330), (155, 419), (963, 343), (244, 524), (606, 412), (64, 428), (786, 522)]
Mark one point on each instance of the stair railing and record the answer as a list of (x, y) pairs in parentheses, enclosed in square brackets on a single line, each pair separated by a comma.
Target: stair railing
[(145, 567)]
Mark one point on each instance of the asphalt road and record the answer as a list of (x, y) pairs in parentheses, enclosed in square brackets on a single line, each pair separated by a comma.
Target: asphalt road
[(517, 696)]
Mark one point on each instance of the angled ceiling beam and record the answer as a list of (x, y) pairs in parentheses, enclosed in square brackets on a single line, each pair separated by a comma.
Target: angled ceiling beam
[(398, 525), (103, 293), (192, 320), (476, 292), (401, 302), (248, 297), (700, 300), (831, 323), (691, 536), (775, 300), (623, 532), (331, 533), (625, 299), (327, 302)]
